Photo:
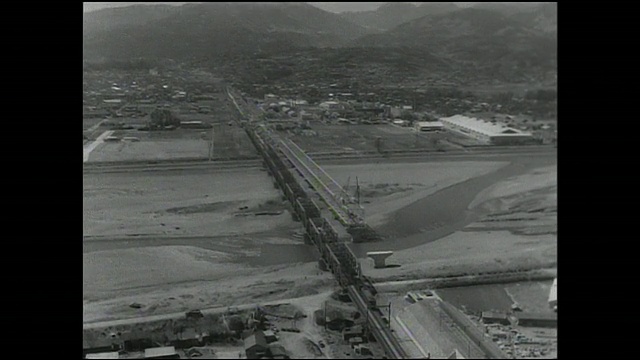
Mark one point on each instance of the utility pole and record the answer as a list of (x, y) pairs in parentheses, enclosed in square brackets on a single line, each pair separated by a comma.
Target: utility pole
[(211, 145), (325, 316), (389, 311), (357, 191), (414, 101), (389, 315)]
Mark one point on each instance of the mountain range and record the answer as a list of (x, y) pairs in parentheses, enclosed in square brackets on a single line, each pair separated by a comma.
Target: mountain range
[(391, 15), (211, 30), (504, 38)]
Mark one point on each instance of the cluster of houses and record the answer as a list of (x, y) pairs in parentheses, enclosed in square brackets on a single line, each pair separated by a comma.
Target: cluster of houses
[(339, 108), (525, 319), (344, 318), (340, 111), (136, 341), (136, 95), (258, 344)]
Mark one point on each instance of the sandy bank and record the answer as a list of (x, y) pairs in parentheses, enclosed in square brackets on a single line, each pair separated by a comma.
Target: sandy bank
[(185, 280), (413, 180), (468, 252), (541, 178)]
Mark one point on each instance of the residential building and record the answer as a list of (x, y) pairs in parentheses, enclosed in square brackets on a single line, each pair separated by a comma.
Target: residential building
[(93, 345), (277, 351), (255, 345), (490, 317), (270, 336), (188, 338), (351, 332)]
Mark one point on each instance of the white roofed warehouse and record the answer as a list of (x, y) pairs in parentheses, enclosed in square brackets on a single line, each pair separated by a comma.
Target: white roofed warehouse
[(486, 131)]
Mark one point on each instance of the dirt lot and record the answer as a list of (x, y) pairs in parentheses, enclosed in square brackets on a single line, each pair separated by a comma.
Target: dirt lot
[(363, 138)]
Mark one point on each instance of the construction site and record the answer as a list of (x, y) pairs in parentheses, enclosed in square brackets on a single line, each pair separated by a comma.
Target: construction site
[(277, 244)]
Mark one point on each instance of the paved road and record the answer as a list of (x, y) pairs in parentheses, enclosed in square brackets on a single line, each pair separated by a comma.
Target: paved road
[(171, 316), (96, 126), (469, 155), (197, 166)]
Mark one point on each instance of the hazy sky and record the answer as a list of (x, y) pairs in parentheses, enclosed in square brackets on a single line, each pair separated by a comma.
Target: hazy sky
[(328, 6)]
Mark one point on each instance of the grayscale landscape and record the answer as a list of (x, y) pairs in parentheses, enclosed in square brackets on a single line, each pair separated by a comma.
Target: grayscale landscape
[(320, 180)]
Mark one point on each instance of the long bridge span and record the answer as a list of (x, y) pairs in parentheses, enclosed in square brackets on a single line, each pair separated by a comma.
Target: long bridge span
[(330, 220)]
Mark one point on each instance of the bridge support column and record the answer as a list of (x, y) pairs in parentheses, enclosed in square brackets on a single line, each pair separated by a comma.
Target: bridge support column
[(379, 258)]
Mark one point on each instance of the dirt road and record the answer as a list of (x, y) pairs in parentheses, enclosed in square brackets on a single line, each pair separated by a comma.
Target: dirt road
[(92, 146)]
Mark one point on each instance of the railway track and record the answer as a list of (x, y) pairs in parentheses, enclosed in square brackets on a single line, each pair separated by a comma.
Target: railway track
[(321, 181), (343, 264), (377, 326)]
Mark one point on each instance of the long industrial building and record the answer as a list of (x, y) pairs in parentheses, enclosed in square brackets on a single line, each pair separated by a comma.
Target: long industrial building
[(486, 131)]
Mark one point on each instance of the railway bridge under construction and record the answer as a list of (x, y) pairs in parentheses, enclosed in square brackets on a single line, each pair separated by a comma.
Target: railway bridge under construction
[(331, 223)]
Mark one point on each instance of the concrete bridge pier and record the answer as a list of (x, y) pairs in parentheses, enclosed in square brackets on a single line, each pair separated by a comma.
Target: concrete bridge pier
[(379, 258)]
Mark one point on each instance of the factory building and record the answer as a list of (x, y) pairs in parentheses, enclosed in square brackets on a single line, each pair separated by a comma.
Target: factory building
[(429, 126), (486, 131)]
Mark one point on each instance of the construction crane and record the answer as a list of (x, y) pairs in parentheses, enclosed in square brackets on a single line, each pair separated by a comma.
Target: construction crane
[(348, 200)]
